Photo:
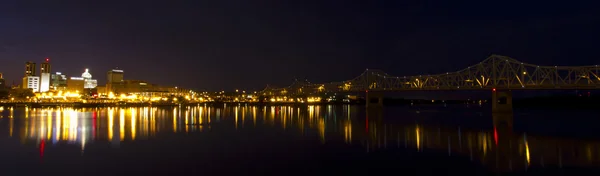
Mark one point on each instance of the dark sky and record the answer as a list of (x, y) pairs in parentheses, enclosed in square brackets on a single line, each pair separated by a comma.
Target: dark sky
[(246, 44)]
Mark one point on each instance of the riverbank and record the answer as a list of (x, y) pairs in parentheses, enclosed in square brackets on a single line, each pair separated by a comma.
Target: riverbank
[(550, 101), (387, 102)]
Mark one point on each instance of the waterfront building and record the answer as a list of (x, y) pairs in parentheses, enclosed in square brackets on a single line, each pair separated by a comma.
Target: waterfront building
[(58, 81), (31, 82), (29, 68), (45, 69), (75, 84), (115, 75), (89, 82), (114, 80), (101, 90), (135, 86)]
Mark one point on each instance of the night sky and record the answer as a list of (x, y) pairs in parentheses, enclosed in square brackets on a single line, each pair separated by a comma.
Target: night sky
[(246, 44)]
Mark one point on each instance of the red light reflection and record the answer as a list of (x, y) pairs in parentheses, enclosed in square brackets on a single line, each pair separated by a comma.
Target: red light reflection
[(495, 136)]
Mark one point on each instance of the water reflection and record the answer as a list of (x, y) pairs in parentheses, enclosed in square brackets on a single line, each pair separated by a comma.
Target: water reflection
[(499, 148)]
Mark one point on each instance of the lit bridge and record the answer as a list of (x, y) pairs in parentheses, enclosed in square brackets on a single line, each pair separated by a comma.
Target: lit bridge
[(499, 72), (494, 73)]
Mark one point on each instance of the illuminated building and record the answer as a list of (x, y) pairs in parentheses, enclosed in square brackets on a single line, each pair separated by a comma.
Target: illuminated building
[(101, 90), (29, 68), (31, 82), (45, 67), (138, 87), (89, 82), (115, 76), (45, 82), (114, 82), (45, 76), (135, 86), (75, 84), (58, 81)]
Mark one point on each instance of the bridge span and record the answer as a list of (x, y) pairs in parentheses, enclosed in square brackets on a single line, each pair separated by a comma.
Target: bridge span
[(499, 74)]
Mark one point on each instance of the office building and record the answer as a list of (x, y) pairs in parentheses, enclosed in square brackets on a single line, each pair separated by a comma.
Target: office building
[(45, 69), (58, 81), (31, 82), (114, 82), (75, 84), (135, 86), (29, 68), (44, 82), (78, 84), (101, 90), (114, 76), (89, 82)]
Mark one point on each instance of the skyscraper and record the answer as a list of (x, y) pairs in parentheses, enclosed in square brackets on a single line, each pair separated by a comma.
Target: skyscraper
[(30, 81), (29, 68), (115, 76), (45, 69), (45, 66), (114, 82)]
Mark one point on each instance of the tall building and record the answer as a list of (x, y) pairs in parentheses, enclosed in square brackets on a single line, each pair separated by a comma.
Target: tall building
[(114, 82), (58, 81), (45, 69), (89, 82), (31, 81), (114, 76), (29, 68)]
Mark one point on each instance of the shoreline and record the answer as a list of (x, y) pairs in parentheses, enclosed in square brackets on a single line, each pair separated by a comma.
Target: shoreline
[(552, 102)]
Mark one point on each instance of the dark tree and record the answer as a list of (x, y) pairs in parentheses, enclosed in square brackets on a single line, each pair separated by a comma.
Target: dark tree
[(20, 93), (4, 93)]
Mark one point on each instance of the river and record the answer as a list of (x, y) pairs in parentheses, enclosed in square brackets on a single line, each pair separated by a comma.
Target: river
[(295, 140)]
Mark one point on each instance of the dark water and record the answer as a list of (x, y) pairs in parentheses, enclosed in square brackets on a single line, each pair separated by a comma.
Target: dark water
[(282, 140)]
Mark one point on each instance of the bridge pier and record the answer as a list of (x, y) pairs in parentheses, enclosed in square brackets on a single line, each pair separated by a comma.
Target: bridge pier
[(502, 101), (503, 120), (374, 99)]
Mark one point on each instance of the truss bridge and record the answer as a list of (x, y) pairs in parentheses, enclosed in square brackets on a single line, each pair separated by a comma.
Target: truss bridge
[(494, 73)]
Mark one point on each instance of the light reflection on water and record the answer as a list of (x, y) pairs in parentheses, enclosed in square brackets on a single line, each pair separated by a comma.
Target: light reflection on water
[(498, 148)]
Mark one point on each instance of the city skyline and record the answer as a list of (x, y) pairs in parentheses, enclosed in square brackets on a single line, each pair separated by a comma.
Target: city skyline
[(32, 70)]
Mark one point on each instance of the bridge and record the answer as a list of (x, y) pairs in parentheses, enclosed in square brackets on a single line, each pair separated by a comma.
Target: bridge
[(497, 73)]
